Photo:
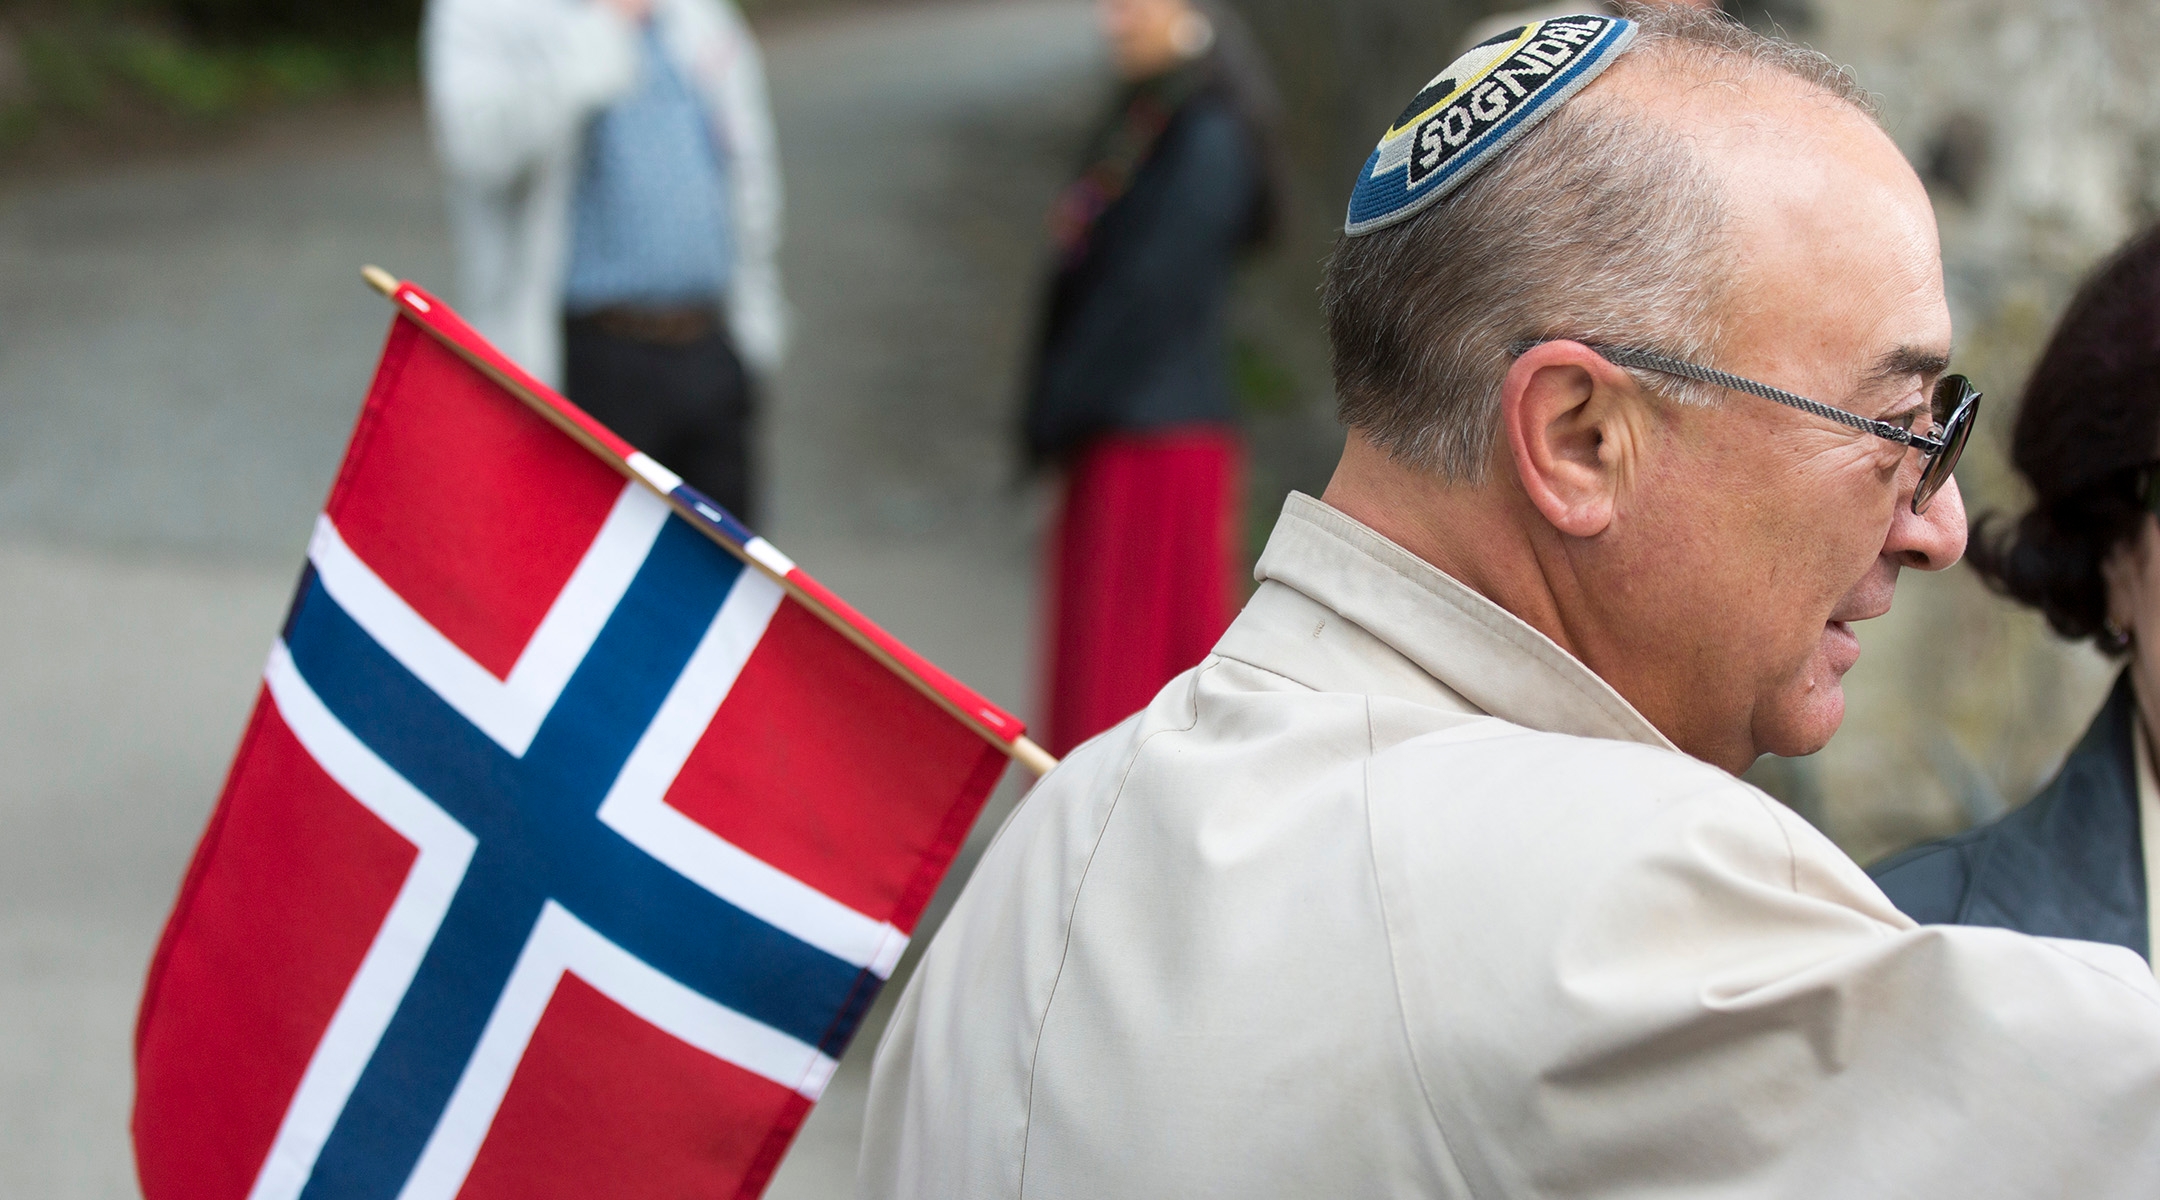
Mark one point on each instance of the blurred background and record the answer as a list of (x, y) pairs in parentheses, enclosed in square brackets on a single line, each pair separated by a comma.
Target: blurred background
[(189, 187)]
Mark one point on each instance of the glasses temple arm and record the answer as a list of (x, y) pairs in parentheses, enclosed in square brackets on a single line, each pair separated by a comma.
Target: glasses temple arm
[(1645, 360)]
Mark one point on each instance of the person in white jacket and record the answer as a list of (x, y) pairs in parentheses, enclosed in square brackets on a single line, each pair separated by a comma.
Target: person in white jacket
[(612, 177), (1436, 879)]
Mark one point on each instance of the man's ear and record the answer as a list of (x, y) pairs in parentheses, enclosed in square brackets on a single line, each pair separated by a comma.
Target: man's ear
[(1566, 412)]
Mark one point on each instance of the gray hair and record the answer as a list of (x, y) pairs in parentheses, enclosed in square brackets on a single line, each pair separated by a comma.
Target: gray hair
[(1600, 225)]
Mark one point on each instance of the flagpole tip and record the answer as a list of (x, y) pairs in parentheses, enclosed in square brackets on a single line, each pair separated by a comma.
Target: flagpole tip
[(379, 279), (1032, 756)]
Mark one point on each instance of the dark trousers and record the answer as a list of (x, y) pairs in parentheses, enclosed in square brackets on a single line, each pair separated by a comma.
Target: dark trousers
[(682, 398)]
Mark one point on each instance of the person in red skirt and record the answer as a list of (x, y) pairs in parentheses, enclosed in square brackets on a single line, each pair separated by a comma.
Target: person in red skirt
[(1130, 393)]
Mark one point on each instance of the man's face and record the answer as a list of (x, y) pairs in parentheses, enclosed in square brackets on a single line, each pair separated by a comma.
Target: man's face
[(1754, 535)]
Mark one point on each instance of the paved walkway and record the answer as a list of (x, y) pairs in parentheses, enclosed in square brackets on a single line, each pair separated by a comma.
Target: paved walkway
[(183, 345)]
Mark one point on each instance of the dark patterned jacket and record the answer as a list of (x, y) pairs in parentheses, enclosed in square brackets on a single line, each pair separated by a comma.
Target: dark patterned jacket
[(2069, 864), (1133, 334)]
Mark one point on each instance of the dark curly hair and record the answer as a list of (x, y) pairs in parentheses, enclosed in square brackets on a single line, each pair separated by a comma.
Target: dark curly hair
[(2087, 432)]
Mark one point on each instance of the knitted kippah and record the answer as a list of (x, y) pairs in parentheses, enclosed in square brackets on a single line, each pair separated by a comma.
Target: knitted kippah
[(1495, 93)]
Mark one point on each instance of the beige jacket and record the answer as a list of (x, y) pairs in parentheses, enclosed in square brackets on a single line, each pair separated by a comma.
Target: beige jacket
[(1393, 897)]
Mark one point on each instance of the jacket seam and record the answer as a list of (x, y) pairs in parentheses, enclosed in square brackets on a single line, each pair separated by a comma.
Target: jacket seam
[(1792, 852), (1246, 662), (2109, 976), (1402, 1004), (1769, 808), (1027, 1119)]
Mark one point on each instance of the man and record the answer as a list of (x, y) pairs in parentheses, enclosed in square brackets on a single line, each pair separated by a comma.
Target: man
[(615, 200), (1435, 880)]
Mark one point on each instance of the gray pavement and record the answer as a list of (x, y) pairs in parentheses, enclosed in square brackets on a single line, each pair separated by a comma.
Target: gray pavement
[(183, 345)]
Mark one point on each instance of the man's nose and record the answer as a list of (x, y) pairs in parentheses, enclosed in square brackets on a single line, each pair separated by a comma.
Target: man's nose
[(1931, 540)]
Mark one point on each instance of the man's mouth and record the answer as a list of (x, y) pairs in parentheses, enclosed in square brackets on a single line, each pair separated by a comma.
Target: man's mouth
[(1842, 644)]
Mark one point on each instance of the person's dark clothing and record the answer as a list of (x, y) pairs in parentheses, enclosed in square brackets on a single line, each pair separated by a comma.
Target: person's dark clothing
[(673, 387), (2068, 864), (1134, 331)]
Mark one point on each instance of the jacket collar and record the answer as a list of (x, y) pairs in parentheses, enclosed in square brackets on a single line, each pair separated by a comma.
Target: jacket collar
[(1449, 633), (2071, 862)]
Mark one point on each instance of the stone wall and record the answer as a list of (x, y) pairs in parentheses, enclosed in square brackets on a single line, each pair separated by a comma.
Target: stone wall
[(2037, 127)]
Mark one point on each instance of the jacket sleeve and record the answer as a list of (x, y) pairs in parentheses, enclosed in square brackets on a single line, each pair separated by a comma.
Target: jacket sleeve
[(1640, 980), (1179, 231), (512, 82), (757, 307)]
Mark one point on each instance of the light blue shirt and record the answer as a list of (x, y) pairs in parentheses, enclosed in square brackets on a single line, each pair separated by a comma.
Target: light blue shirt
[(651, 222)]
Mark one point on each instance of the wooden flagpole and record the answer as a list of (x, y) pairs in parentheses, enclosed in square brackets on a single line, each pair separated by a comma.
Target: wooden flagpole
[(1021, 749)]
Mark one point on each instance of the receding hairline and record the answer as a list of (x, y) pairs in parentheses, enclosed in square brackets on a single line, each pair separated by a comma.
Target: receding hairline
[(1719, 50), (1666, 80), (1724, 108)]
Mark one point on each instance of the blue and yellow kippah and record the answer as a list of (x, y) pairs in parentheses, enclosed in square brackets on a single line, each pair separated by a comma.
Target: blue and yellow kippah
[(1495, 93)]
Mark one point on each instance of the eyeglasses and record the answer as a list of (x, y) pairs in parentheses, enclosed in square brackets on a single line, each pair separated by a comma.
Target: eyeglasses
[(1954, 406)]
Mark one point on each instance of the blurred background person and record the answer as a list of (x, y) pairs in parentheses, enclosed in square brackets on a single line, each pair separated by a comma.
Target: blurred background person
[(2076, 861), (615, 202), (1130, 391)]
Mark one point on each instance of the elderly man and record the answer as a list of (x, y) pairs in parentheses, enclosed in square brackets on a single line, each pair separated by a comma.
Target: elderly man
[(1435, 880)]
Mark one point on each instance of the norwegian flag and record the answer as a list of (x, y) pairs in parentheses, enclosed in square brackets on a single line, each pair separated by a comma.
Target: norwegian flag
[(573, 832)]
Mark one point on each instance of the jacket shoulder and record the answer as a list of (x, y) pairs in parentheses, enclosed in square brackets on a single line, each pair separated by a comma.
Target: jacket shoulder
[(1573, 811), (1606, 768)]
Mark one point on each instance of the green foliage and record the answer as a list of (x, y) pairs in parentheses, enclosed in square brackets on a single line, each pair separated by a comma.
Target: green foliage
[(138, 67), (78, 71), (59, 75), (1265, 386), (177, 76), (323, 21)]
